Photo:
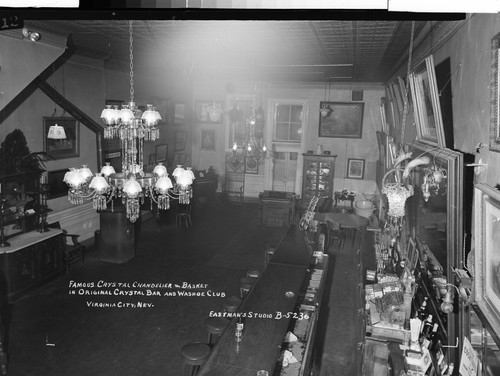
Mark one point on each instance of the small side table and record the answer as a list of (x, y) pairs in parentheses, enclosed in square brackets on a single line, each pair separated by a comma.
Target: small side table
[(344, 196)]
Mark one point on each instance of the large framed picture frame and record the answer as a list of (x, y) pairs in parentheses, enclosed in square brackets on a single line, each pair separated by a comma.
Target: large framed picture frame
[(251, 165), (495, 95), (65, 148), (344, 120), (203, 115), (486, 255), (427, 109)]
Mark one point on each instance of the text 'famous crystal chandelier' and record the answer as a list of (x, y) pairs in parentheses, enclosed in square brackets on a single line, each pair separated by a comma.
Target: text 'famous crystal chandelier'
[(132, 185)]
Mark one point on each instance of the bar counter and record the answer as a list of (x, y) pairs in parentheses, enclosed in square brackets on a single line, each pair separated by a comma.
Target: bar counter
[(269, 310)]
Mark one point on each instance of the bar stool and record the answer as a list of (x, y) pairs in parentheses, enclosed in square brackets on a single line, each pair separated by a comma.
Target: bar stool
[(231, 304), (194, 355), (246, 284), (215, 327), (254, 270)]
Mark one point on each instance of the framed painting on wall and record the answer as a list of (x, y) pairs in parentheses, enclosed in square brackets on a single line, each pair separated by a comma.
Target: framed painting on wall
[(355, 168), (208, 112), (179, 113), (161, 153), (180, 141), (427, 109), (62, 148), (208, 139), (343, 120), (486, 255)]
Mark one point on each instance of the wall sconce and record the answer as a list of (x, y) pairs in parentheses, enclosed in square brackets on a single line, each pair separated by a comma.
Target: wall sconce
[(31, 35), (447, 304), (433, 177)]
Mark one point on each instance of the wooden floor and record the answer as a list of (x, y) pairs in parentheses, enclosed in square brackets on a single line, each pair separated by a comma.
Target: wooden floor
[(51, 332)]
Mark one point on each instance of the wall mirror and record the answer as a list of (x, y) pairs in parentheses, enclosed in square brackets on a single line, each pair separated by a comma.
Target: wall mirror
[(435, 212)]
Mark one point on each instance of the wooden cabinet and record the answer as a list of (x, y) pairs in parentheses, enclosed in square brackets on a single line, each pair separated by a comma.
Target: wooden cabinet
[(317, 177), (32, 259)]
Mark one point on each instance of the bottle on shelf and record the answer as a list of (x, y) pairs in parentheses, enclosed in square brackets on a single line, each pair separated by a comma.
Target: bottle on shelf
[(422, 311), (430, 341), (427, 327)]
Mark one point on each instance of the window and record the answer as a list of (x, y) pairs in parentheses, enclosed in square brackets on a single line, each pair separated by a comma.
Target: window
[(288, 122)]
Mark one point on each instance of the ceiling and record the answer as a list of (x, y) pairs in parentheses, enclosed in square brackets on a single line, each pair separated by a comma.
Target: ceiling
[(291, 50)]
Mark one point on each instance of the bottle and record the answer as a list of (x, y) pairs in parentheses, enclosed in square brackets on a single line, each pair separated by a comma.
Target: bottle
[(430, 341), (422, 311), (451, 367), (426, 327)]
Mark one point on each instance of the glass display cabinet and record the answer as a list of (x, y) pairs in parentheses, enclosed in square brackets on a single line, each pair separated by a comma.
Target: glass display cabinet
[(317, 178)]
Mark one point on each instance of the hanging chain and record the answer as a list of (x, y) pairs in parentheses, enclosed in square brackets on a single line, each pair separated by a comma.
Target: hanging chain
[(131, 62), (405, 110)]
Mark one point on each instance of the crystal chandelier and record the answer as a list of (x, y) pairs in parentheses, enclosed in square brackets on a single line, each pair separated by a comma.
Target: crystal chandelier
[(132, 185), (253, 144)]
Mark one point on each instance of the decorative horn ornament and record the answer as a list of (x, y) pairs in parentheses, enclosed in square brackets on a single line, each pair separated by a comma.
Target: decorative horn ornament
[(414, 163), (401, 158)]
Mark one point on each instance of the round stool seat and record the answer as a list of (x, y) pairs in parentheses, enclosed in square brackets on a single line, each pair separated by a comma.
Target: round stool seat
[(254, 270), (231, 304), (246, 284), (195, 353), (215, 327)]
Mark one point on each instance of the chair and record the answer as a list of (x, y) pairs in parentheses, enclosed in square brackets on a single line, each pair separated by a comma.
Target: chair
[(246, 284), (183, 214), (73, 250), (194, 355), (234, 179)]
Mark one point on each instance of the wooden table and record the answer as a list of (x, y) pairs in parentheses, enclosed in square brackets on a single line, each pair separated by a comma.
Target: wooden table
[(263, 336)]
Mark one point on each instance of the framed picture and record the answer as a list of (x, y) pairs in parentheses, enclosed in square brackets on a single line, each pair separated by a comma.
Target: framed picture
[(355, 168), (251, 165), (161, 105), (495, 95), (383, 117), (57, 187), (344, 120), (203, 115), (403, 92), (208, 139), (161, 153), (179, 113), (426, 104), (486, 255), (180, 140), (66, 148)]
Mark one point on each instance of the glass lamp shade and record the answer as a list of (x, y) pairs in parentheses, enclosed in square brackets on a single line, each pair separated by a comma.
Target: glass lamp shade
[(56, 132), (85, 172), (185, 179), (160, 170), (249, 148), (73, 178), (151, 117), (109, 115), (108, 170), (235, 147), (190, 172), (126, 115), (132, 188), (324, 112), (99, 183), (177, 172), (447, 304), (163, 184)]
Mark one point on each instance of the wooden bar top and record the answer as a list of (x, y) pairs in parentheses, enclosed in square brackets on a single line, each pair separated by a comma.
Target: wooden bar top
[(268, 312), (28, 238), (292, 249)]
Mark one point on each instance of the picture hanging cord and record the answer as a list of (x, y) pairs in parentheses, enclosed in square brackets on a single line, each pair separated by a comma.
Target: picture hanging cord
[(405, 109)]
